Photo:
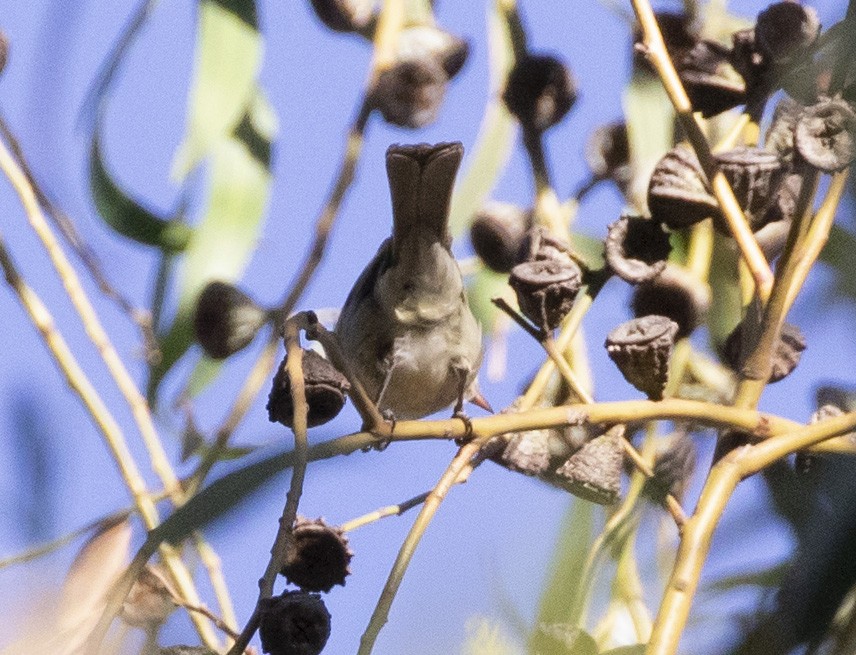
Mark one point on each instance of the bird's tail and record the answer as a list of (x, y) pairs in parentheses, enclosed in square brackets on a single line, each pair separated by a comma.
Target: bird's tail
[(421, 178)]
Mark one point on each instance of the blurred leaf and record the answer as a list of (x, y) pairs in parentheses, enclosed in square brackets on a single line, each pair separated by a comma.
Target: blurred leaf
[(485, 637), (589, 249), (636, 649), (492, 149), (838, 253), (769, 577), (484, 285), (98, 565), (838, 395), (228, 58), (570, 556), (125, 215), (226, 237), (204, 373), (726, 306), (650, 130)]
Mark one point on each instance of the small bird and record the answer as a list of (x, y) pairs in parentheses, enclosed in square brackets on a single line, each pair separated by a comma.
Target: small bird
[(406, 327)]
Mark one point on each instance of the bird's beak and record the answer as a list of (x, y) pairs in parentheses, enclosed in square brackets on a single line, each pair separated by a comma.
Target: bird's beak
[(480, 401)]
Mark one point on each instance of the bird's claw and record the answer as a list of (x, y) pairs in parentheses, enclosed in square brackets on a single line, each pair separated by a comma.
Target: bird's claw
[(468, 427)]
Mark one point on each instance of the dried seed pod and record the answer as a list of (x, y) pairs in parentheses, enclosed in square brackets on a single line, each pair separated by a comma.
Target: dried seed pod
[(429, 42), (674, 463), (186, 650), (678, 32), (755, 175), (780, 135), (149, 602), (226, 320), (498, 232), (785, 30), (750, 63), (786, 355), (607, 154), (641, 349), (546, 290), (410, 92), (319, 557), (712, 84), (594, 471), (295, 623), (826, 135), (347, 15), (539, 244), (674, 293), (4, 50), (539, 91), (325, 392), (804, 461), (637, 248), (678, 193)]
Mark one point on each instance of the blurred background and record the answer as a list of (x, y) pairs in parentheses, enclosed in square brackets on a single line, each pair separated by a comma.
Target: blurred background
[(487, 556)]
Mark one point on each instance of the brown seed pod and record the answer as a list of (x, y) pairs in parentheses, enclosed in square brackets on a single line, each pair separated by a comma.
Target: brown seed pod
[(539, 91), (674, 463), (712, 84), (4, 51), (752, 65), (641, 349), (637, 248), (325, 392), (785, 30), (226, 320), (498, 232), (755, 175), (804, 461), (678, 33), (780, 135), (410, 92), (826, 135), (429, 42), (786, 355), (674, 293), (347, 15), (319, 557), (546, 290), (678, 193), (295, 623), (607, 154), (594, 471), (149, 602)]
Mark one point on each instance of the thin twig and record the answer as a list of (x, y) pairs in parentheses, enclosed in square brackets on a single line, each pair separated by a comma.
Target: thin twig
[(384, 512), (284, 537)]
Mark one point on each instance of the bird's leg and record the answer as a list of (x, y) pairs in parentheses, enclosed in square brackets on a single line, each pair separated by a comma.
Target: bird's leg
[(462, 372)]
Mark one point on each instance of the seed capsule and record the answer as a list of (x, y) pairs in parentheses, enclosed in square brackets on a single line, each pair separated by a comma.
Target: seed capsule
[(637, 248), (319, 557), (674, 463), (226, 320), (826, 135), (295, 623), (780, 135), (410, 93), (346, 15), (325, 392), (750, 63), (594, 471), (498, 232), (674, 293), (785, 30), (4, 51), (607, 154), (755, 175), (540, 90), (428, 42), (641, 349), (546, 290), (678, 194), (804, 461), (149, 602), (712, 84), (786, 355)]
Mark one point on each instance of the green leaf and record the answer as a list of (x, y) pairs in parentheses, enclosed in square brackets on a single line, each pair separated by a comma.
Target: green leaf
[(650, 129), (125, 215), (589, 249), (496, 135), (565, 575), (228, 58), (838, 253), (726, 308), (486, 284), (636, 649), (769, 577), (239, 186)]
